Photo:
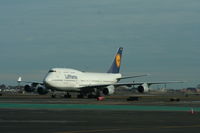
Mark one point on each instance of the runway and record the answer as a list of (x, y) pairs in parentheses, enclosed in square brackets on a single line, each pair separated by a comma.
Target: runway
[(41, 114), (96, 121)]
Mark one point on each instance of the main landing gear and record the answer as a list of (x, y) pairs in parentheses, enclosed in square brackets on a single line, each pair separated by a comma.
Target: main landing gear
[(53, 96), (80, 96), (94, 95), (67, 95)]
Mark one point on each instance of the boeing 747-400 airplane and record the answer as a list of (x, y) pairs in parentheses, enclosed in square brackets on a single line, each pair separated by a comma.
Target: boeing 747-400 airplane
[(86, 83)]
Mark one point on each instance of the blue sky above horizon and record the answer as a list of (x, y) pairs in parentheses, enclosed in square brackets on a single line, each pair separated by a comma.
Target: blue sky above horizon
[(159, 37)]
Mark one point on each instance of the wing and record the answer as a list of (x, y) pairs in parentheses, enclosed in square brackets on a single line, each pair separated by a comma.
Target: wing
[(127, 77), (131, 84), (165, 82), (148, 83), (29, 82)]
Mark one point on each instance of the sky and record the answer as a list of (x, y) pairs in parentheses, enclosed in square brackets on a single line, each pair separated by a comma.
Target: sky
[(161, 38)]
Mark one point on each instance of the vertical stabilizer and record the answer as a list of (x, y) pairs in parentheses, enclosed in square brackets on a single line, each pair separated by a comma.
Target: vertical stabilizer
[(117, 62)]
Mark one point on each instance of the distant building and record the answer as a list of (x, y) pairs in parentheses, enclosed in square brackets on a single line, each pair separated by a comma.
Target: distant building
[(191, 89)]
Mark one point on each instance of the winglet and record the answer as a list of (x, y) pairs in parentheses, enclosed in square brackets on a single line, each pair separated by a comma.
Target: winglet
[(117, 62)]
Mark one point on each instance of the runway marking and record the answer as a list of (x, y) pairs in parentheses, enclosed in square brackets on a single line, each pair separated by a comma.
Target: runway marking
[(127, 129)]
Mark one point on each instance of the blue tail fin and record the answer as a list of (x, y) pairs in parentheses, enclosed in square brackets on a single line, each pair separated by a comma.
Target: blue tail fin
[(117, 62)]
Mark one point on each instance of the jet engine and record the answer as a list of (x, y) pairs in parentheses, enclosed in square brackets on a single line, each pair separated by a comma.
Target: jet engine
[(35, 87), (143, 88), (29, 88), (109, 90), (42, 90)]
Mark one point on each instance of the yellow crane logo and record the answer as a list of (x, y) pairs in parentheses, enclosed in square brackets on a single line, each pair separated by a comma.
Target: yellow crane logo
[(118, 60)]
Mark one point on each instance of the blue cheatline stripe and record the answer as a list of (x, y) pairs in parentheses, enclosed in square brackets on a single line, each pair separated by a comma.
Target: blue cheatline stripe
[(103, 107)]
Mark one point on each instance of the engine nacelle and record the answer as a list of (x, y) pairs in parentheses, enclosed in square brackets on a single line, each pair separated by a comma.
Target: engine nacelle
[(42, 90), (143, 88), (109, 90), (29, 88), (35, 87)]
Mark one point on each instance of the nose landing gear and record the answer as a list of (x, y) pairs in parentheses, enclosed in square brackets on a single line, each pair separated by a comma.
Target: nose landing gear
[(67, 95)]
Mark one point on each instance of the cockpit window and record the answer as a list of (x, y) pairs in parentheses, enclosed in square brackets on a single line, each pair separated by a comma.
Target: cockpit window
[(51, 71)]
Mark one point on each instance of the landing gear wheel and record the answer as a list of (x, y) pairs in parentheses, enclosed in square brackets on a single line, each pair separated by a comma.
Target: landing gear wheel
[(53, 96), (80, 96), (97, 94), (91, 96), (67, 95)]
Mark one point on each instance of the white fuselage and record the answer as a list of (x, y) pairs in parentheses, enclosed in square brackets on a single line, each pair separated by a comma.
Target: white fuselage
[(72, 80)]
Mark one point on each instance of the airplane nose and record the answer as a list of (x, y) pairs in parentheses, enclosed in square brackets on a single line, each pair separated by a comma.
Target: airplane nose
[(47, 81)]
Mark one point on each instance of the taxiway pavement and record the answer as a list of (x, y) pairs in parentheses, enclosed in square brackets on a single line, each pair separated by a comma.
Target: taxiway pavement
[(22, 114), (96, 121)]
